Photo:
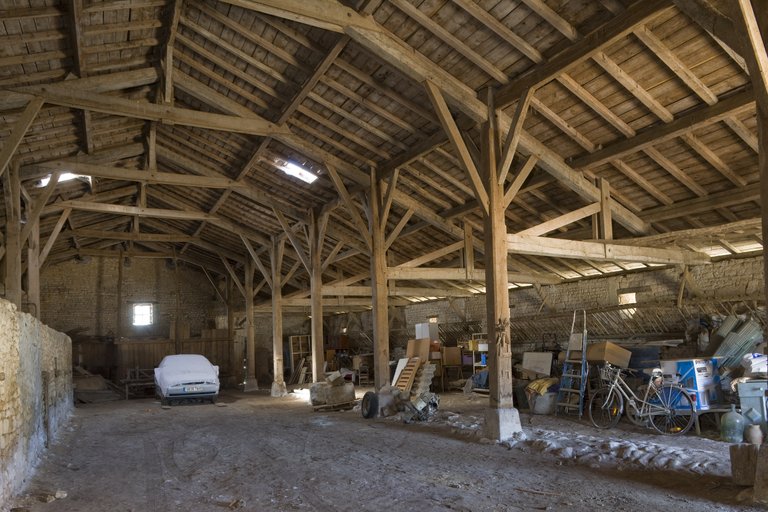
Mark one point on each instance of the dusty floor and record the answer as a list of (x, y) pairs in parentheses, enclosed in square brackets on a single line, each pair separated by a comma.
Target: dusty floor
[(253, 452)]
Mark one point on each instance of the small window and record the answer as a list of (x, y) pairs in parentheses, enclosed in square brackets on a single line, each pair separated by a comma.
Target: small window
[(626, 299), (142, 314)]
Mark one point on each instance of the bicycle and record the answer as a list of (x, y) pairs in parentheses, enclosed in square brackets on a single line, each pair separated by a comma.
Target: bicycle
[(667, 407)]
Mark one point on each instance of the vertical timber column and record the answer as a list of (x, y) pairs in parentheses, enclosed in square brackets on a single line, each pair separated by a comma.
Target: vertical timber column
[(276, 262), (502, 419), (316, 287), (250, 383), (119, 319), (12, 190), (33, 269), (234, 364), (379, 288)]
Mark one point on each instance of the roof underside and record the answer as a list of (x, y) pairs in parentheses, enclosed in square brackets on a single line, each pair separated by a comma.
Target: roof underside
[(661, 110)]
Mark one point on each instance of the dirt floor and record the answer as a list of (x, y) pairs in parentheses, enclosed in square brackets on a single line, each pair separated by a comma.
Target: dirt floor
[(254, 452)]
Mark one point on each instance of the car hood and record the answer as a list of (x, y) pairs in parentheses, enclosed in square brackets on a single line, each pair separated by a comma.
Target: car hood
[(166, 379)]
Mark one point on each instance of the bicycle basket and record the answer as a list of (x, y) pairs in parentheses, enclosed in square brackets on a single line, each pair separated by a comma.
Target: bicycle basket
[(608, 373)]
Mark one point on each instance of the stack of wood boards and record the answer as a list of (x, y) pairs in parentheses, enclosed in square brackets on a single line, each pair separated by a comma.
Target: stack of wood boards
[(405, 379), (423, 379), (300, 371)]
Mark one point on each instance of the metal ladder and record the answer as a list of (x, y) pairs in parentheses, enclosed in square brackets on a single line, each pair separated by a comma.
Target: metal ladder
[(573, 383)]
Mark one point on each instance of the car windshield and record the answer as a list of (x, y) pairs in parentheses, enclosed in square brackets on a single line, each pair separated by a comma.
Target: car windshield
[(186, 362)]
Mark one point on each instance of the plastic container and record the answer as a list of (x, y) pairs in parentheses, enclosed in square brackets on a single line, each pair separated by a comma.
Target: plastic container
[(545, 404), (732, 426)]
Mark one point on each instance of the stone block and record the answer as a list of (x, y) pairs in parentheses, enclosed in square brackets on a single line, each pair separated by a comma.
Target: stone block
[(323, 393)]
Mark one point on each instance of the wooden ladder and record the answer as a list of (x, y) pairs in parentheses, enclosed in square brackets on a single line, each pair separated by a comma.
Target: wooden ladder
[(405, 379)]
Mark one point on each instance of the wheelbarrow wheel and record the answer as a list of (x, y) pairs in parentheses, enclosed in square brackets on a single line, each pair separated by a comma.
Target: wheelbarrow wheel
[(370, 405)]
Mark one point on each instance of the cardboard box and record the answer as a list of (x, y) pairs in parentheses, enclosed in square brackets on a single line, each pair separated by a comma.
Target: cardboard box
[(604, 352), (537, 363), (418, 348), (451, 356)]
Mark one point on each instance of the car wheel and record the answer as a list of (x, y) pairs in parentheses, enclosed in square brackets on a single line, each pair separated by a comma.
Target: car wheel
[(370, 405), (165, 401), (213, 399)]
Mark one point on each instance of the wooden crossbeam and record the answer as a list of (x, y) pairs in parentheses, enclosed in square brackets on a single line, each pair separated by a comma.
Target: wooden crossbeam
[(562, 220), (18, 131), (458, 142), (76, 98), (132, 236), (599, 251), (134, 210), (295, 242), (460, 274)]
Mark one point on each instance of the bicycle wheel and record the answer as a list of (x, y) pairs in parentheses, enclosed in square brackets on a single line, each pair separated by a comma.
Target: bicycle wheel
[(605, 408), (672, 411)]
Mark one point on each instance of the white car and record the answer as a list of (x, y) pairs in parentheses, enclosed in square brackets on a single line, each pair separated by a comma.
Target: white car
[(186, 376)]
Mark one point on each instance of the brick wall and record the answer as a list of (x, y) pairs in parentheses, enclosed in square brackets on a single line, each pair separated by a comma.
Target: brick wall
[(82, 297), (35, 393)]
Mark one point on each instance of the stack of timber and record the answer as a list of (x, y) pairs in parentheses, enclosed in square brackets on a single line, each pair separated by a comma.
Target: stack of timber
[(299, 374)]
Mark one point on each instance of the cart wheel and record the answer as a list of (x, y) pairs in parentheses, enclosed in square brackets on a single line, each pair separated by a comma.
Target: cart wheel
[(370, 405)]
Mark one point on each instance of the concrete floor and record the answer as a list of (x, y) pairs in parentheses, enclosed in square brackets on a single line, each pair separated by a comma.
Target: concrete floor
[(253, 452)]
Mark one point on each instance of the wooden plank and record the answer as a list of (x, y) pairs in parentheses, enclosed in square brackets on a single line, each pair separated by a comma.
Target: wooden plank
[(54, 235), (598, 40), (715, 161), (451, 40), (562, 220), (669, 166), (120, 173), (460, 274), (265, 274), (599, 251), (357, 219), (431, 256), (606, 222), (75, 98), (519, 180), (694, 120), (513, 136), (677, 66), (233, 275), (454, 135), (133, 210), (18, 131), (295, 242), (398, 229)]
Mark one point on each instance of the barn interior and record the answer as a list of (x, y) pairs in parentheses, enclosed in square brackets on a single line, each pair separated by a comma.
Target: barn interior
[(453, 201)]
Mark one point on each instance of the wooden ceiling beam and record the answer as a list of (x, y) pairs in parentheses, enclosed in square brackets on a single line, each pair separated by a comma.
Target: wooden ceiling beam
[(73, 97), (693, 120), (132, 236), (97, 84), (602, 37), (600, 251), (460, 274)]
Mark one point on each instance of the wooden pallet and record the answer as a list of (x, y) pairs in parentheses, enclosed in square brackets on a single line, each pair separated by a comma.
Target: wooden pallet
[(405, 379)]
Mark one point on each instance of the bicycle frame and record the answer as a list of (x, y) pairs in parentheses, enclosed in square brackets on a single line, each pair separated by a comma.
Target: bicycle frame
[(618, 384)]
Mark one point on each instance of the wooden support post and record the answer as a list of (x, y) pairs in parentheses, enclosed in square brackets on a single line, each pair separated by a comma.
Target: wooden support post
[(606, 222), (497, 292), (177, 314), (469, 249), (250, 330), (379, 287), (12, 190), (316, 236), (119, 319), (33, 270), (234, 357), (276, 261)]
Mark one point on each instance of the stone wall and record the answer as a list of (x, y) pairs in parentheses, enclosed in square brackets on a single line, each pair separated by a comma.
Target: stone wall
[(35, 393), (82, 297)]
